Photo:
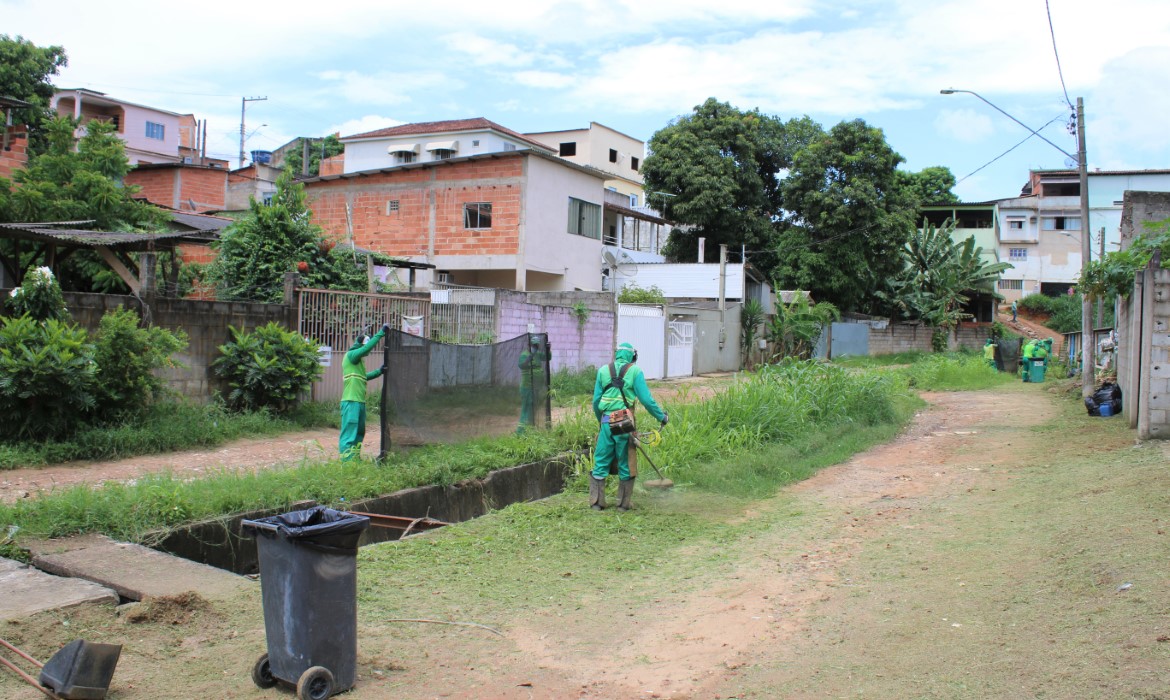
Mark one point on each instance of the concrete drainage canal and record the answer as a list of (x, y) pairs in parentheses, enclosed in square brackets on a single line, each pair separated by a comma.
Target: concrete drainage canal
[(223, 544)]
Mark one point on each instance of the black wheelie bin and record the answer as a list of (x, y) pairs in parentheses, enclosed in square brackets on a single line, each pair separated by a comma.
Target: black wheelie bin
[(308, 584)]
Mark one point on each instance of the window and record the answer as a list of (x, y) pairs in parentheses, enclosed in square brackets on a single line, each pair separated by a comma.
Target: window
[(613, 156), (569, 148), (477, 215), (1011, 284), (1017, 253), (475, 142), (634, 162), (634, 201), (1015, 224), (442, 153), (403, 157), (391, 206), (156, 131), (584, 218), (509, 146), (1061, 223)]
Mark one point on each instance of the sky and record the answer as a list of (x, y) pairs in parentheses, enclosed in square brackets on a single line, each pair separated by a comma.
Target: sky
[(635, 66)]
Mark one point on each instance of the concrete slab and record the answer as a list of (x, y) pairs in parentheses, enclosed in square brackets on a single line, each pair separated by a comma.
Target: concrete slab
[(136, 572), (27, 591)]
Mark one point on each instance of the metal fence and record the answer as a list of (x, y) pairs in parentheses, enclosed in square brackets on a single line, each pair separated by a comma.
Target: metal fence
[(463, 315), (332, 319)]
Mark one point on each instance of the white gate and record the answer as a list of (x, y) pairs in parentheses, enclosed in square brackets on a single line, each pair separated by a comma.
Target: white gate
[(644, 327), (680, 350)]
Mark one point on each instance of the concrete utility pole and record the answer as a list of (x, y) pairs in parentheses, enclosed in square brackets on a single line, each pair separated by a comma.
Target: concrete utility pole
[(243, 110), (1088, 371)]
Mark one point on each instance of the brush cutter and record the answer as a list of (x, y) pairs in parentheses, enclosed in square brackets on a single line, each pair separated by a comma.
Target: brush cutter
[(81, 670), (651, 438)]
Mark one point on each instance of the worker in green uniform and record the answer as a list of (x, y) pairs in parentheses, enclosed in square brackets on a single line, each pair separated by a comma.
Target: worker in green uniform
[(531, 364), (354, 378), (617, 385), (1026, 356), (989, 353)]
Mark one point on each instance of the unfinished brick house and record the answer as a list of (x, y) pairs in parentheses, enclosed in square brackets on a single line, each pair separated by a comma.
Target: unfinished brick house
[(519, 219), (194, 188)]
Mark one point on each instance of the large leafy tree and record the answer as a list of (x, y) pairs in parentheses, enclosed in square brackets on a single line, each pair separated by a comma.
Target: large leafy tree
[(717, 173), (847, 217), (77, 181), (931, 185), (25, 69)]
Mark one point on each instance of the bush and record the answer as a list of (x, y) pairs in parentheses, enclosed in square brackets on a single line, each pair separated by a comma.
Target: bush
[(127, 357), (47, 378), (633, 294), (39, 297), (267, 368)]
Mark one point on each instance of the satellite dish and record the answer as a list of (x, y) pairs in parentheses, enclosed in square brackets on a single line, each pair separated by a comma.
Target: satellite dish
[(609, 259)]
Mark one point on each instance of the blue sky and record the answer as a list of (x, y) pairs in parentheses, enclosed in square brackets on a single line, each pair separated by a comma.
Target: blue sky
[(541, 66)]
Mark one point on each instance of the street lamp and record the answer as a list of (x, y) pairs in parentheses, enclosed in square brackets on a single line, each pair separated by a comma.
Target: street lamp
[(1086, 249)]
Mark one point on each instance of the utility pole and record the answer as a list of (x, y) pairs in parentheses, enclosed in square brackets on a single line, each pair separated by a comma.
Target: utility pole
[(1101, 299), (243, 110), (1088, 371)]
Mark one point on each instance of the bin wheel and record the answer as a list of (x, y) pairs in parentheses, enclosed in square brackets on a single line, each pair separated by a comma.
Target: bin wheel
[(315, 683), (262, 673)]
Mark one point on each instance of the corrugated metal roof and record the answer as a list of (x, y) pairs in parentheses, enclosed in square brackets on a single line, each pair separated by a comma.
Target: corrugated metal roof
[(201, 222), (96, 239)]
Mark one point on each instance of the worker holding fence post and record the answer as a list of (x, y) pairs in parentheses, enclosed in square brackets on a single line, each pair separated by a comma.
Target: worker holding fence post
[(531, 362), (353, 394), (618, 383)]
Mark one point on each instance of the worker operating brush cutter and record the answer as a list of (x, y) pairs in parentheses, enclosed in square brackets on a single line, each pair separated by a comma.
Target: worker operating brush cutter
[(353, 394), (618, 385)]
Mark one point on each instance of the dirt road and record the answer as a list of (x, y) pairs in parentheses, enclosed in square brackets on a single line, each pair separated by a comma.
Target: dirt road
[(983, 553)]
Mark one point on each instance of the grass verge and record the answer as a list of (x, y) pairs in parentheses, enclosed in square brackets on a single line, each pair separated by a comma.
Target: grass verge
[(781, 405), (165, 427)]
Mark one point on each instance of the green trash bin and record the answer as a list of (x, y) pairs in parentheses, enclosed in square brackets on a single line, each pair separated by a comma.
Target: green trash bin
[(1037, 373)]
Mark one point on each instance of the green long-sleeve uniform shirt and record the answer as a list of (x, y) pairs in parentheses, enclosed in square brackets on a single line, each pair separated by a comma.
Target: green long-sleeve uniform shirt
[(607, 399), (354, 378)]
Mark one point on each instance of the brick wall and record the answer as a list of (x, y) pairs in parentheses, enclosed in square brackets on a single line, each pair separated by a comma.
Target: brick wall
[(16, 155), (573, 346), (190, 188), (907, 337), (205, 323), (426, 198), (334, 165)]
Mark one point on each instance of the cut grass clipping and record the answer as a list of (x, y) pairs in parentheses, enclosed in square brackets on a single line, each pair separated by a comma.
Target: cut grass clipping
[(739, 443)]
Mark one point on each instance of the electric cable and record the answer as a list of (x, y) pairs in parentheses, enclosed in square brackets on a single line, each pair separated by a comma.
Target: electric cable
[(1001, 155), (1059, 71)]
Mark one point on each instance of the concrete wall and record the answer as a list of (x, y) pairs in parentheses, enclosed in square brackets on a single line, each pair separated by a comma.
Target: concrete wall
[(574, 346), (205, 323), (908, 337)]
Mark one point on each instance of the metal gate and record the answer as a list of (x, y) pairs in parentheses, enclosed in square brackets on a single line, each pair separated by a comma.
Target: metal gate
[(644, 327), (333, 319), (680, 350)]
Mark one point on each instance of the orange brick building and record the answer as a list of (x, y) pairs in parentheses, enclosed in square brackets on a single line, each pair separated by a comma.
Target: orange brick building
[(14, 153), (522, 219), (195, 188)]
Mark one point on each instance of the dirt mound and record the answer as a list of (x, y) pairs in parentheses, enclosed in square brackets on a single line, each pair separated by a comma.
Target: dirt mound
[(170, 609)]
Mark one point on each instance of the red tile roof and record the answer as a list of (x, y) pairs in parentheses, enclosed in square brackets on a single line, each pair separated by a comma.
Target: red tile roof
[(443, 127)]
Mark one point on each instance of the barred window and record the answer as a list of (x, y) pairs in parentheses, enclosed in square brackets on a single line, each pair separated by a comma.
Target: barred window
[(1017, 253), (1011, 284)]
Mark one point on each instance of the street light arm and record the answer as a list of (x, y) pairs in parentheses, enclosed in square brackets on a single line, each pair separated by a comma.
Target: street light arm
[(951, 91)]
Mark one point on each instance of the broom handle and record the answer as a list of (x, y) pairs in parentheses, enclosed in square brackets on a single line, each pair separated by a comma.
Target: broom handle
[(31, 681), (22, 655)]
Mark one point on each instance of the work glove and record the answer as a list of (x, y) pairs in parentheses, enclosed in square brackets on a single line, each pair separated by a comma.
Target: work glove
[(385, 328), (665, 418), (382, 369)]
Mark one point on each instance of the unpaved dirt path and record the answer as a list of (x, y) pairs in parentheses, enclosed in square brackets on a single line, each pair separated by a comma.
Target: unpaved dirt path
[(768, 609)]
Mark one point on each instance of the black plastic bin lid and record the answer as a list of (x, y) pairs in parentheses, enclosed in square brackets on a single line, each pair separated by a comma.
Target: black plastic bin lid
[(316, 525)]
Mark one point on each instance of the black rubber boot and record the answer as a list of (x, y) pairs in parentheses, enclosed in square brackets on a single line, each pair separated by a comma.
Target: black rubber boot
[(625, 494), (596, 493)]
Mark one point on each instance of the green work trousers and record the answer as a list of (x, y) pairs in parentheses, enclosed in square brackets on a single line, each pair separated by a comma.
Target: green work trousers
[(353, 429), (609, 448), (527, 404)]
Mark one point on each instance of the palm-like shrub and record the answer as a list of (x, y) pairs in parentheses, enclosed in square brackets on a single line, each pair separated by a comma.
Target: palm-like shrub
[(47, 378)]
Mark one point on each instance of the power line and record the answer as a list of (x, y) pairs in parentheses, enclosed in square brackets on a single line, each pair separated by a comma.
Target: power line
[(1001, 155), (1059, 71)]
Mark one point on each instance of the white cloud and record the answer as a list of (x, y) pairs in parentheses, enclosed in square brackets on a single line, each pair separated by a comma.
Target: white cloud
[(542, 79), (1125, 124), (964, 125), (487, 52), (370, 122), (385, 88)]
